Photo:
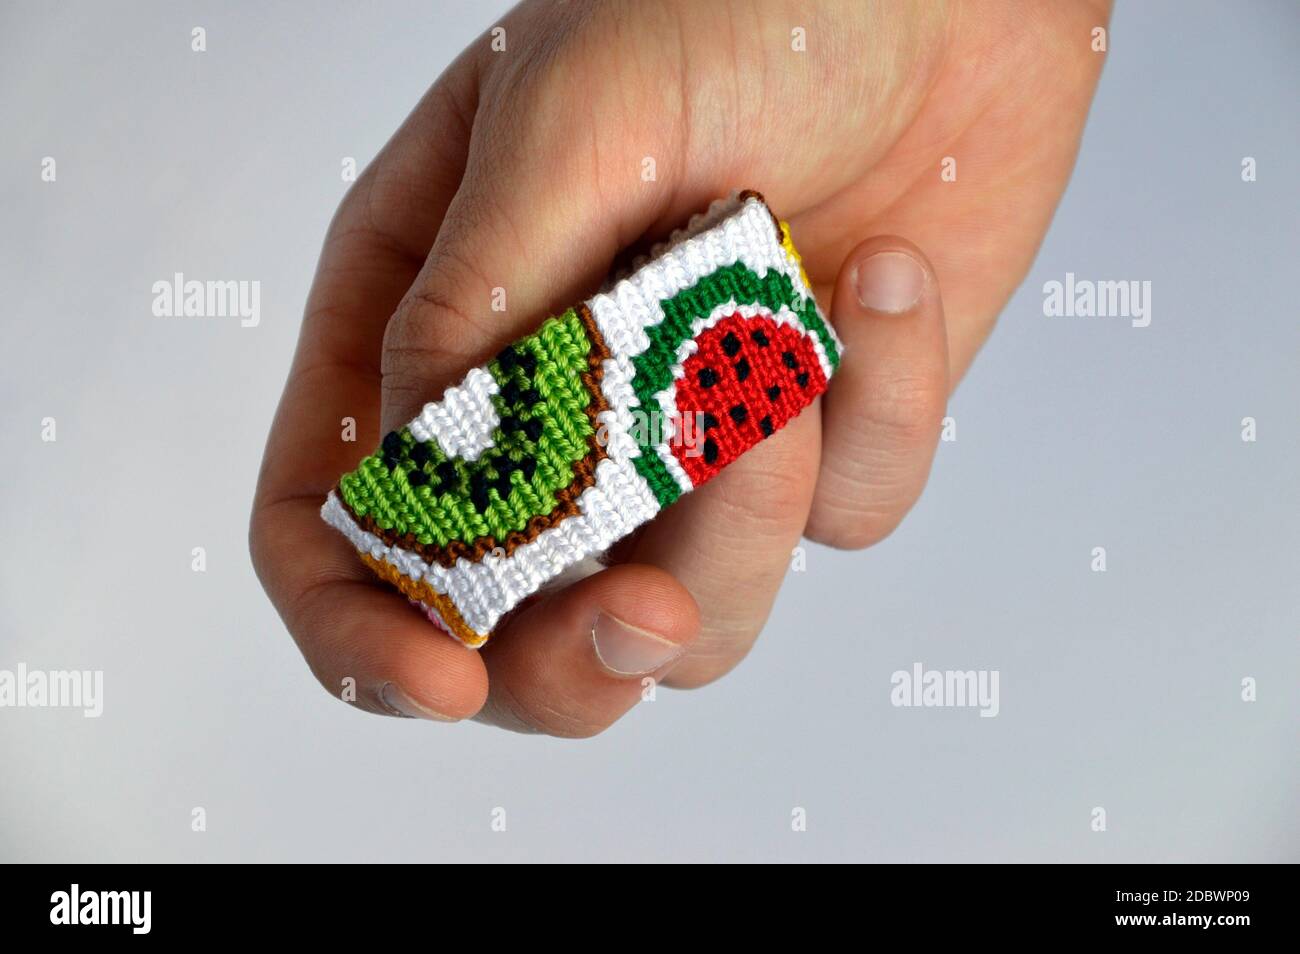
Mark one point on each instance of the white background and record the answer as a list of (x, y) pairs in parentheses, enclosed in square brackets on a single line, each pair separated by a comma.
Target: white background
[(1119, 690)]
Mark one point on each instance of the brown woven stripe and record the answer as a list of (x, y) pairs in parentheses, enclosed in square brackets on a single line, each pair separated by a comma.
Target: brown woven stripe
[(584, 475)]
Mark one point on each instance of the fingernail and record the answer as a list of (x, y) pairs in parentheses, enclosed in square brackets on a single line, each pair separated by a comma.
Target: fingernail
[(625, 650), (890, 282), (402, 704)]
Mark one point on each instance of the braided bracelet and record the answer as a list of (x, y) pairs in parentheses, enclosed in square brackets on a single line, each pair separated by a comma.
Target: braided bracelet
[(574, 436)]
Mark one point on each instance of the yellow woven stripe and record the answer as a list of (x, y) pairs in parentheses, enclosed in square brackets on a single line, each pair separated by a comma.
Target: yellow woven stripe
[(790, 250)]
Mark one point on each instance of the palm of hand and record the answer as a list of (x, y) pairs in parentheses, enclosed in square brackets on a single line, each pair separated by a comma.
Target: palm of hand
[(528, 154)]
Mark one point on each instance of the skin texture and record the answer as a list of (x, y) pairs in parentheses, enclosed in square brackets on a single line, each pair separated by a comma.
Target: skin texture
[(522, 169)]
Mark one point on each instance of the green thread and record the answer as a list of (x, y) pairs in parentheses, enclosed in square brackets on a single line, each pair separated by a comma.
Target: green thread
[(444, 510), (654, 366)]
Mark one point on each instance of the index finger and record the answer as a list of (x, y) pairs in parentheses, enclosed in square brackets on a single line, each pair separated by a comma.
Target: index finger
[(354, 635)]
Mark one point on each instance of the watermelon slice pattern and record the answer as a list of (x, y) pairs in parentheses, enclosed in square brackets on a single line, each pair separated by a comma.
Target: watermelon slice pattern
[(537, 462), (734, 288), (747, 379)]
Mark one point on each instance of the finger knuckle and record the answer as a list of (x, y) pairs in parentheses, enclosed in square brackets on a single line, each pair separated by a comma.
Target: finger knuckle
[(566, 719), (432, 328), (438, 305), (849, 526), (906, 409), (763, 507), (696, 672), (766, 493)]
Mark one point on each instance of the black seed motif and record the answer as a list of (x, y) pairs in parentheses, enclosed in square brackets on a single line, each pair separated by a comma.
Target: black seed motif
[(510, 424), (760, 339), (392, 443), (530, 397), (528, 361), (709, 421), (419, 453), (787, 358), (417, 478), (708, 377), (739, 413), (446, 472), (478, 492), (529, 467), (533, 429), (507, 358), (765, 425), (503, 486), (802, 379), (392, 463), (710, 451), (742, 369), (731, 344), (510, 393), (774, 392)]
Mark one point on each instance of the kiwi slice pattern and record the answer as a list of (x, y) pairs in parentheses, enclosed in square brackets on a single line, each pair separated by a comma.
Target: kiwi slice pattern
[(575, 435)]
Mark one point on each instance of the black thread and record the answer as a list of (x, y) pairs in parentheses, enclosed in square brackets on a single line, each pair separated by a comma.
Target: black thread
[(478, 490)]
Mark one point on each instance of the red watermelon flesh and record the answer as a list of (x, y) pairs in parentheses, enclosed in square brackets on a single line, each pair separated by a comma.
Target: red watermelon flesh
[(748, 378)]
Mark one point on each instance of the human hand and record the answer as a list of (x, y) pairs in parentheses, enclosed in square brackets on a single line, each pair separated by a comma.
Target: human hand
[(523, 169)]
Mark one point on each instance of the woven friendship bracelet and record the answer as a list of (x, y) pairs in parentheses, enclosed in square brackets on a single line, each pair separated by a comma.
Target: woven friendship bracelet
[(574, 436)]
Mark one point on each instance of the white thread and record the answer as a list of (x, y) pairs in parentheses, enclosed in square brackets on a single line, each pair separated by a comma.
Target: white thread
[(623, 311), (616, 504), (619, 500), (463, 421), (667, 398)]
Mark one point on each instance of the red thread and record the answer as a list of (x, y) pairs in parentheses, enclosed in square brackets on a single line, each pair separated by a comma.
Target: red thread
[(750, 376)]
